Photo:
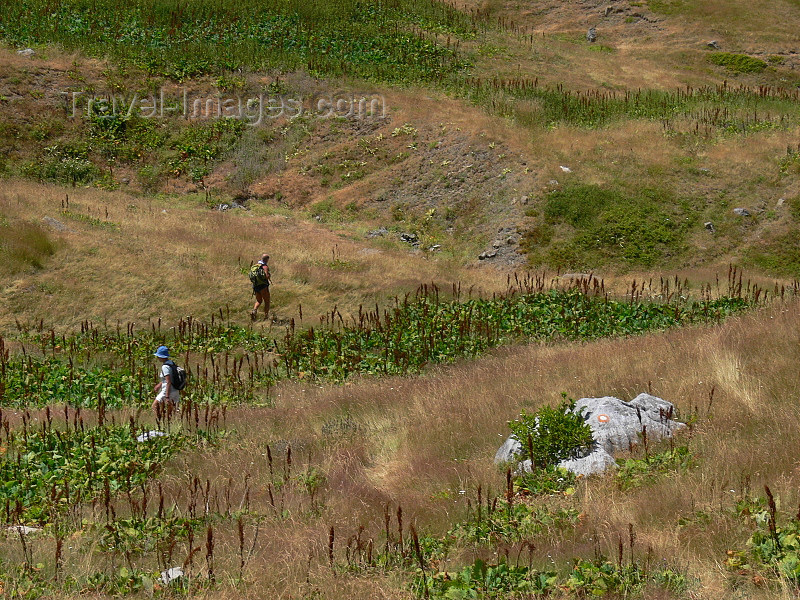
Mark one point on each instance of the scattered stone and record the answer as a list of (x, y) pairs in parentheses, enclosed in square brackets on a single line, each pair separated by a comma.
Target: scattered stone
[(410, 238), (523, 200), (171, 575), (608, 11), (496, 244), (55, 224), (709, 225), (435, 247), (223, 207), (553, 182), (125, 180), (591, 35), (742, 212), (26, 52), (616, 426), (380, 232), (487, 254), (566, 169), (713, 44), (511, 241), (23, 529), (781, 202), (149, 435)]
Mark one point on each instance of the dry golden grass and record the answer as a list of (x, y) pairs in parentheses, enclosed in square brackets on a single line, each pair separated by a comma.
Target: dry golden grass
[(171, 257), (415, 442)]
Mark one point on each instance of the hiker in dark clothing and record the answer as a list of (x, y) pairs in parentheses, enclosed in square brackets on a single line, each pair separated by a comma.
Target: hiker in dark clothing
[(259, 277)]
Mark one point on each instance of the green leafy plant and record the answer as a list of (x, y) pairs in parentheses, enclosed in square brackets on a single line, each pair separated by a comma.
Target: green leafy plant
[(552, 434), (585, 579), (636, 472), (44, 470), (772, 550)]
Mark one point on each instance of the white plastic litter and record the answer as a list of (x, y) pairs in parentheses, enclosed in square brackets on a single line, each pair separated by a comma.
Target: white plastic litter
[(149, 435), (171, 575)]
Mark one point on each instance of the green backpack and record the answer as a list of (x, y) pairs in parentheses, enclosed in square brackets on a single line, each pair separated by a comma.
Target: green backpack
[(257, 275)]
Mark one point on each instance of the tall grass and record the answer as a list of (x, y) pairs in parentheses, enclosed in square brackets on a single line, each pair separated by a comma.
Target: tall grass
[(23, 245), (706, 109)]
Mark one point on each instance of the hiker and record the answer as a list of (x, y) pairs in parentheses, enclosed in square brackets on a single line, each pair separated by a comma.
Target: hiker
[(168, 395), (259, 277)]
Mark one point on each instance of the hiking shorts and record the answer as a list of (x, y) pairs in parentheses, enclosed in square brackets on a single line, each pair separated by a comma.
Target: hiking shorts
[(174, 397), (260, 288)]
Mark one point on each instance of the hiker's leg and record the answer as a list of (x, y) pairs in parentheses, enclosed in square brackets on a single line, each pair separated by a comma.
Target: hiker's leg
[(266, 298), (258, 302)]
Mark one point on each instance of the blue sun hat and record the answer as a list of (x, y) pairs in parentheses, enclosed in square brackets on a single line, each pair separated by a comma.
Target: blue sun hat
[(162, 352)]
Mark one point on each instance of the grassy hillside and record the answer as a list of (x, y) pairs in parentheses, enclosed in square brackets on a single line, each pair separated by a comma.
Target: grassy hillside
[(343, 448)]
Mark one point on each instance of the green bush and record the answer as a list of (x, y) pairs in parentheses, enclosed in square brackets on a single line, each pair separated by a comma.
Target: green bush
[(738, 63), (552, 434)]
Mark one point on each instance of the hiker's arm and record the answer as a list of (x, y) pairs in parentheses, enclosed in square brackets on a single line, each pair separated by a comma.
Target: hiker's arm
[(167, 385)]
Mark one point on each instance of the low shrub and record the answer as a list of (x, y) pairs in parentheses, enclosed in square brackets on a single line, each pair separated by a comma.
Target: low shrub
[(738, 63), (552, 434)]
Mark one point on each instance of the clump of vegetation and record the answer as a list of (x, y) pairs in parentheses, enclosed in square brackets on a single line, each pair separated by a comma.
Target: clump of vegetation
[(780, 256), (44, 470), (735, 109), (23, 245), (738, 63), (587, 578), (636, 472), (773, 551), (512, 521), (602, 225), (551, 435), (379, 42)]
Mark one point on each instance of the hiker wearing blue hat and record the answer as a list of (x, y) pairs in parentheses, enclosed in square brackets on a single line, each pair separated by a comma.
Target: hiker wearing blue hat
[(168, 393)]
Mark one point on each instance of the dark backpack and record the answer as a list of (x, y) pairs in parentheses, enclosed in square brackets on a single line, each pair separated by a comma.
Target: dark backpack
[(178, 376), (257, 275)]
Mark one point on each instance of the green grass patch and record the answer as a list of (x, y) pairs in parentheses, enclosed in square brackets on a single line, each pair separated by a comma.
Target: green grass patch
[(738, 63), (604, 225), (780, 256), (668, 7), (178, 40)]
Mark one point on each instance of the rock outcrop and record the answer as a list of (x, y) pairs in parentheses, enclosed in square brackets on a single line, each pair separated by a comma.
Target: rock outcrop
[(616, 425)]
